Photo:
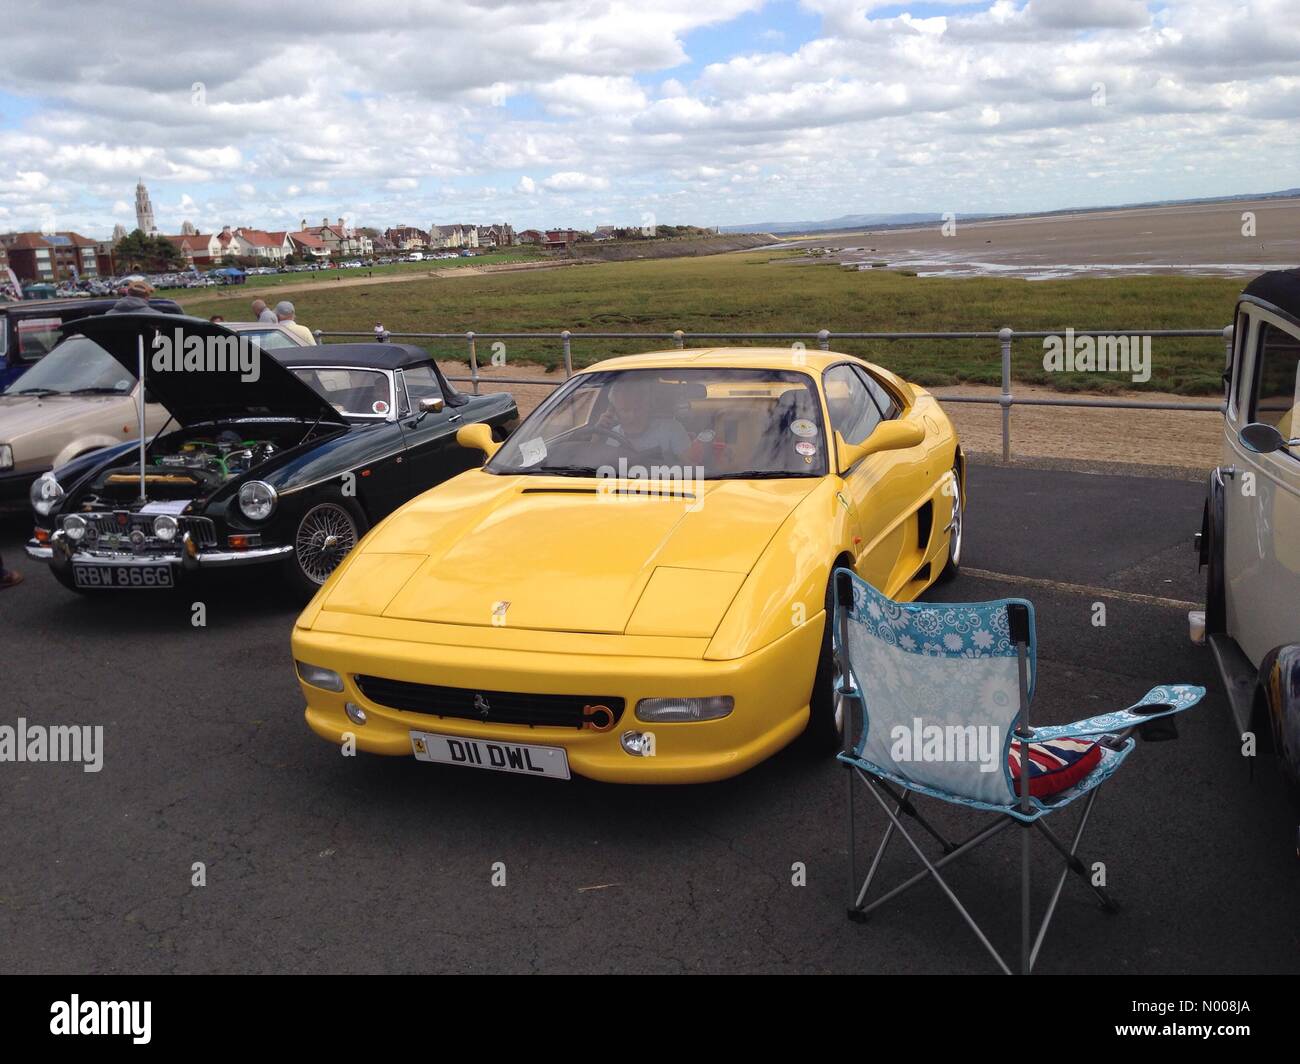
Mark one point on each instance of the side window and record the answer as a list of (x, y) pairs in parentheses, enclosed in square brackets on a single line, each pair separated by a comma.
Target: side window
[(403, 403), (1277, 381), (889, 408), (421, 384), (853, 412)]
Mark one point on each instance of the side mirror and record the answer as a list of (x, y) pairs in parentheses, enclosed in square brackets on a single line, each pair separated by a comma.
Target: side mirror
[(478, 437), (429, 406), (1261, 438), (888, 436)]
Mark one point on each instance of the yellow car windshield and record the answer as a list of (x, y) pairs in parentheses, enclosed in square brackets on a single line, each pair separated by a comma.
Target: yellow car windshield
[(697, 423)]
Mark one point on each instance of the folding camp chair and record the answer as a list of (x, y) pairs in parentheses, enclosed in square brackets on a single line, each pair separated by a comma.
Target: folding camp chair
[(943, 693)]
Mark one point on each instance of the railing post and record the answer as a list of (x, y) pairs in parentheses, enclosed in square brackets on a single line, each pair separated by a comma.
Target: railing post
[(473, 360), (318, 333), (1004, 337), (679, 339), (824, 339), (567, 338)]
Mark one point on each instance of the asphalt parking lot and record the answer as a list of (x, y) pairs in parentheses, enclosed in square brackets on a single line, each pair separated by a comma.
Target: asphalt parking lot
[(319, 863)]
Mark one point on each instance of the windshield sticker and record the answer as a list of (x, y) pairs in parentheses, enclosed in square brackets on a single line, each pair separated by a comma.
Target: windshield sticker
[(379, 406), (803, 427), (532, 451), (805, 448)]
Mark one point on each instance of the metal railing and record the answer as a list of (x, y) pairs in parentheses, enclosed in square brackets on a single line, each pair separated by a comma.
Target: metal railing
[(822, 338)]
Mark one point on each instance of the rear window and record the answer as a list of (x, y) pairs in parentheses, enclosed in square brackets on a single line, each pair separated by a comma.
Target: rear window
[(37, 337)]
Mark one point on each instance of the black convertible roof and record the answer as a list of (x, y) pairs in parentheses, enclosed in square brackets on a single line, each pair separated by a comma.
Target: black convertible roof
[(1278, 287), (376, 355), (369, 356)]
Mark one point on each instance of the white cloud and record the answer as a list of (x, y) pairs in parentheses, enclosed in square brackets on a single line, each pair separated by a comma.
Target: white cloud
[(572, 181)]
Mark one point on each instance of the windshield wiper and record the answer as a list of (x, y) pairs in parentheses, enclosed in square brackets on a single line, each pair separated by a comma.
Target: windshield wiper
[(761, 474), (35, 391), (555, 471), (97, 391)]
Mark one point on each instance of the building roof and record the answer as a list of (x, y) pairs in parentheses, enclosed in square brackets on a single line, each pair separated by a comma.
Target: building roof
[(307, 240)]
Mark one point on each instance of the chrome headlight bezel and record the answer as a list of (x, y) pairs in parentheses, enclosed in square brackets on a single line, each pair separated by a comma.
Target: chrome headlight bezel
[(46, 493), (74, 527), (166, 527), (257, 500)]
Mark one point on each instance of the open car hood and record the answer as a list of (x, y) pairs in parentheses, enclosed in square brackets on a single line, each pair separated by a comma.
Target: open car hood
[(208, 393)]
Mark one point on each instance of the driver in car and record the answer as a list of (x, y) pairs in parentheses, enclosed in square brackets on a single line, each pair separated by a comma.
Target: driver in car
[(628, 414)]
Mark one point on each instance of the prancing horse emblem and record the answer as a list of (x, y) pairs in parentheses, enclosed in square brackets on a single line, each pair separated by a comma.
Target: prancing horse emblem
[(482, 706)]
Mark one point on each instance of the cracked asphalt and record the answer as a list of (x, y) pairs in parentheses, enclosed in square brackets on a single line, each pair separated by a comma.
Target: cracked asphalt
[(319, 863)]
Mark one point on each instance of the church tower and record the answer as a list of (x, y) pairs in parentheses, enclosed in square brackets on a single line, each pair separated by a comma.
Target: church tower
[(144, 210)]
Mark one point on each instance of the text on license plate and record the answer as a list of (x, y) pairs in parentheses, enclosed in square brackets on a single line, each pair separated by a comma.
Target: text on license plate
[(489, 753), (141, 576)]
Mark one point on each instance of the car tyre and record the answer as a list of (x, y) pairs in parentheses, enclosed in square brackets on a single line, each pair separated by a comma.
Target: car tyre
[(823, 734), (956, 521), (327, 530)]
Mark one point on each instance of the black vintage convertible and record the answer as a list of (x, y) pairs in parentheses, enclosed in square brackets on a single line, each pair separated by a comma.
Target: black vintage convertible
[(290, 468)]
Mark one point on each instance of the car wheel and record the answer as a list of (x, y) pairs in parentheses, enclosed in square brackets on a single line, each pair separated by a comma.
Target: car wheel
[(954, 530), (824, 734), (326, 532)]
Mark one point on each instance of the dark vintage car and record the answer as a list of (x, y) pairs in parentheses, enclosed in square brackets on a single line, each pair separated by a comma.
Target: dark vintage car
[(289, 469), (28, 329)]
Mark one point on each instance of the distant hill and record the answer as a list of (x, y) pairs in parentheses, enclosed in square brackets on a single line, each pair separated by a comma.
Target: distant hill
[(891, 221)]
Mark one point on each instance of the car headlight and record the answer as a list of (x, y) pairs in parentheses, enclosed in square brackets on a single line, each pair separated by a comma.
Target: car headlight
[(6, 456), (257, 500), (672, 710), (325, 679), (165, 527), (46, 494), (74, 527)]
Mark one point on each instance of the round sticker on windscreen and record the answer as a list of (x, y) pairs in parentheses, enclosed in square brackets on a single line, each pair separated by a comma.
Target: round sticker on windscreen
[(805, 448), (379, 406), (803, 427)]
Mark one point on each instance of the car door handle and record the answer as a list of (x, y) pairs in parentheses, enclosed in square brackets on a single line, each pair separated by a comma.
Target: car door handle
[(453, 419)]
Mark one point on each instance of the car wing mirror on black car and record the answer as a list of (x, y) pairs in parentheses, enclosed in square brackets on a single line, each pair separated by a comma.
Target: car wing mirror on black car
[(433, 405)]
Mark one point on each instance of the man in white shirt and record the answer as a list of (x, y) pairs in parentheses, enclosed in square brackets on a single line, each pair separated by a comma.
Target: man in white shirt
[(284, 312), (261, 312), (628, 414)]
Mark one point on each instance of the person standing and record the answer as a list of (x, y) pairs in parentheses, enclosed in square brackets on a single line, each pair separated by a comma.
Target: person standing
[(135, 300), (284, 313), (261, 312)]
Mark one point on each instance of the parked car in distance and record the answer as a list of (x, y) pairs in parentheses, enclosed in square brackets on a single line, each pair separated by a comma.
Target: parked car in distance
[(30, 328), (268, 337), (635, 587), (1249, 543), (287, 470)]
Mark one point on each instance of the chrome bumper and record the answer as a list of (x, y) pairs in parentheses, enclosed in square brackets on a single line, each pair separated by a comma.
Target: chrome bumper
[(60, 554)]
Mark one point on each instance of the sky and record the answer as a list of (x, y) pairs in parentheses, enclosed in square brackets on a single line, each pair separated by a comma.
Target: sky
[(580, 113)]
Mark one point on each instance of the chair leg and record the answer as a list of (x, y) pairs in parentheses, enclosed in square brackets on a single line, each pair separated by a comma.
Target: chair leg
[(854, 913), (905, 802), (933, 870), (1026, 963), (1073, 863)]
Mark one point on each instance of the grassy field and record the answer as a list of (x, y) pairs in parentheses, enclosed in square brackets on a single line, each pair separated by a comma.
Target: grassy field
[(763, 291)]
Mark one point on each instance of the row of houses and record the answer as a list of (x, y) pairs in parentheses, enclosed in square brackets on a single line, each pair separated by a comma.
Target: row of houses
[(448, 237), (48, 257), (307, 243)]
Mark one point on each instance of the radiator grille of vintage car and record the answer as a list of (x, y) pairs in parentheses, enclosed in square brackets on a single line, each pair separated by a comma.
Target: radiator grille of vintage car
[(594, 712), (114, 530)]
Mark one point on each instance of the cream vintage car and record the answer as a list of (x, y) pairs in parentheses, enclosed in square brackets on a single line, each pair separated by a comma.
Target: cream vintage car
[(78, 399), (1249, 541)]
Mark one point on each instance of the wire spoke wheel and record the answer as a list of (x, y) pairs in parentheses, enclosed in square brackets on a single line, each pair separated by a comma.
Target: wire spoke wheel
[(325, 535), (954, 524)]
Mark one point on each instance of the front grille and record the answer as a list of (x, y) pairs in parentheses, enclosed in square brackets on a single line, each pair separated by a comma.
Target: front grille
[(598, 712), (202, 530)]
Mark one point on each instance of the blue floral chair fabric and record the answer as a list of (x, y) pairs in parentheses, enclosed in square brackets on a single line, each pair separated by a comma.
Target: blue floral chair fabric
[(934, 694)]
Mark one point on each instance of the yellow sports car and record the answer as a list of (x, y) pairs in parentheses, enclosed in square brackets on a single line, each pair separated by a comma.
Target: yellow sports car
[(634, 586)]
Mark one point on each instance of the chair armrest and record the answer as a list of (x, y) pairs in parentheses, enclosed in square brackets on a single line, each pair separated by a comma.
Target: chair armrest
[(1158, 702)]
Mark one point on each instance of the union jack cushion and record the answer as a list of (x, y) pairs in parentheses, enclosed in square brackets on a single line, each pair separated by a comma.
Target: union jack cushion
[(1054, 765)]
